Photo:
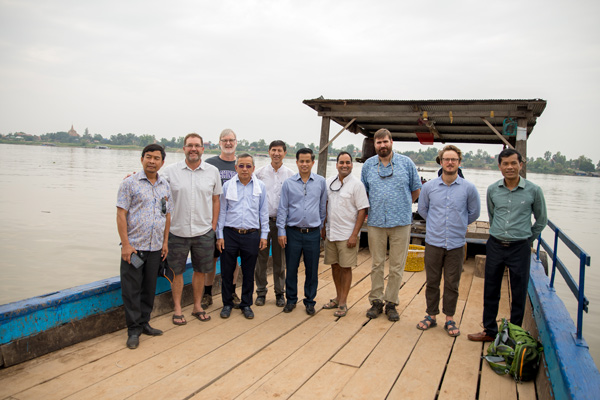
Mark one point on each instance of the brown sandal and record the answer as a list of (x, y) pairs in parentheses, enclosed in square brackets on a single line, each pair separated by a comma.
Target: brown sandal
[(333, 303), (342, 311)]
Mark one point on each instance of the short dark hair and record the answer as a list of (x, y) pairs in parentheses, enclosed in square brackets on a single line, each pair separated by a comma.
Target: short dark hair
[(195, 135), (507, 153), (341, 154), (305, 150), (245, 155), (277, 143), (154, 147)]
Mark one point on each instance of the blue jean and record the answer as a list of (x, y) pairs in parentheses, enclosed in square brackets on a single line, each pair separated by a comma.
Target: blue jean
[(309, 245)]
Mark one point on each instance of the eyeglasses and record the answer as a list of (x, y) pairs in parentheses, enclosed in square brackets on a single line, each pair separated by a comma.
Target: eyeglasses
[(246, 166), (337, 178), (193, 146), (228, 140), (449, 159), (385, 176)]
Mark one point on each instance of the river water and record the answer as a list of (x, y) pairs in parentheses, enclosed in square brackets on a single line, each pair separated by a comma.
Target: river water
[(58, 220)]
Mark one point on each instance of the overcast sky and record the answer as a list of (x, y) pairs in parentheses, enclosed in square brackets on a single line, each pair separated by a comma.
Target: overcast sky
[(170, 68)]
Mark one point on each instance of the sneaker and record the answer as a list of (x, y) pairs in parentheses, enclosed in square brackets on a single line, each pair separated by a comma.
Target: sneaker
[(375, 310), (247, 311), (390, 311), (260, 301), (206, 301), (279, 300), (226, 312)]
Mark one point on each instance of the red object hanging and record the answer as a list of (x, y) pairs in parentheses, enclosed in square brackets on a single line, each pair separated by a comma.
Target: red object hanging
[(425, 138)]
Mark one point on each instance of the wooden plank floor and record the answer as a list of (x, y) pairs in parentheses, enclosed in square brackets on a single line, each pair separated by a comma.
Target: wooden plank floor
[(283, 356)]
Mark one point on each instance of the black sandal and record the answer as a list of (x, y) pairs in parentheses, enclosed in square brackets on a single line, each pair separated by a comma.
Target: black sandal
[(428, 322)]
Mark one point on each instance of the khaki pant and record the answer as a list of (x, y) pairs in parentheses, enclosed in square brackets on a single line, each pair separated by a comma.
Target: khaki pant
[(399, 237)]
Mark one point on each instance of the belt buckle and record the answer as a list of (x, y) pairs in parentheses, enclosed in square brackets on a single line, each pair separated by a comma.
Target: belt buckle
[(304, 230), (242, 231)]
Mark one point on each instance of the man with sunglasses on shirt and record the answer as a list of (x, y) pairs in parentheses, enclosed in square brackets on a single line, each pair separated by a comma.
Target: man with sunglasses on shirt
[(347, 205), (392, 184)]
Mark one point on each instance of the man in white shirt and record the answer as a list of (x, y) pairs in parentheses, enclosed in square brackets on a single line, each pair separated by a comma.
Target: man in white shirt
[(196, 188), (272, 176), (347, 204)]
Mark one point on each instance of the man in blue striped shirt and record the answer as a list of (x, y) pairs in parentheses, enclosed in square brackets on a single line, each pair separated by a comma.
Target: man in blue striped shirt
[(448, 204)]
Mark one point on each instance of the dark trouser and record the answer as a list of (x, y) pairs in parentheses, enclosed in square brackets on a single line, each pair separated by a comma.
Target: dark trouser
[(247, 247), (299, 243), (260, 275), (517, 257), (138, 287), (450, 261)]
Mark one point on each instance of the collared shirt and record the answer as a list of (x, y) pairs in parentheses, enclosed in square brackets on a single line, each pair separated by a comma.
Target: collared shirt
[(193, 192), (510, 211), (448, 210), (302, 204), (390, 198), (248, 209), (343, 206), (143, 202), (273, 180)]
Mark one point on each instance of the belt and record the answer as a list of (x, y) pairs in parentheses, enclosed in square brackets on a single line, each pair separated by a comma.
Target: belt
[(508, 243), (303, 230), (274, 219), (242, 231)]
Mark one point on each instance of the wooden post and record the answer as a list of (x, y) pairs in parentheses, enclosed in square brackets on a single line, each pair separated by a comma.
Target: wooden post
[(521, 143), (322, 165)]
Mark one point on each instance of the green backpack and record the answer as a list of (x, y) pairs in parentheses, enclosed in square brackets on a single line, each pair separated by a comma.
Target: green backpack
[(514, 352)]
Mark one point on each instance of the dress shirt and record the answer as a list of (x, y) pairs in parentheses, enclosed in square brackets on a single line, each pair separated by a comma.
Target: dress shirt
[(390, 198), (343, 206), (143, 202), (193, 192), (273, 180), (246, 209), (510, 211), (448, 210), (302, 205)]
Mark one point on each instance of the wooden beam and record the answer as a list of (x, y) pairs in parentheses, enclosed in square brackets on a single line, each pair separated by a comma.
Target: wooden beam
[(322, 149), (497, 133), (521, 143), (431, 114), (322, 163)]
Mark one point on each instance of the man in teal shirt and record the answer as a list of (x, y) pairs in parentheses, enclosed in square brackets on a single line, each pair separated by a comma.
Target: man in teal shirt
[(510, 203)]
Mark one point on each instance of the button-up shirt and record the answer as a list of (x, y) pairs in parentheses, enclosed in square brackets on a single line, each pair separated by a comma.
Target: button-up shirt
[(144, 204), (273, 180), (302, 205), (248, 209), (193, 192), (510, 211), (448, 210), (343, 206), (390, 190)]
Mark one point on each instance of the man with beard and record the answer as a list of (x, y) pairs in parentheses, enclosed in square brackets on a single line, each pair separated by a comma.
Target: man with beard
[(448, 204), (347, 205), (393, 184), (196, 188)]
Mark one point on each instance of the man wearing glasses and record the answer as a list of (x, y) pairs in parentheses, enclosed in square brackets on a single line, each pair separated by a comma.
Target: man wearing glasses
[(347, 205), (299, 220), (449, 204), (242, 229), (225, 163), (143, 216), (196, 188), (392, 184)]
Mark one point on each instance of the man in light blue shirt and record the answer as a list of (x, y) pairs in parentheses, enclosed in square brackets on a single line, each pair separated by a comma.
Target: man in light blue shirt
[(242, 229), (449, 204), (393, 184), (300, 216)]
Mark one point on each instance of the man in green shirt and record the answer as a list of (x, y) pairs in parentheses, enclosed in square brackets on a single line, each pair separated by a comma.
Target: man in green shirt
[(510, 203)]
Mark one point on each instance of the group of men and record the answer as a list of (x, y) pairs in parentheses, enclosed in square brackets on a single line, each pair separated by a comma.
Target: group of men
[(223, 208)]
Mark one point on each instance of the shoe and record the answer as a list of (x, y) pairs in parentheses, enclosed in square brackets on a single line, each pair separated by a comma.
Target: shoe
[(206, 301), (342, 311), (236, 300), (310, 309), (279, 300), (289, 307), (226, 312), (150, 331), (390, 311), (247, 311), (480, 337), (260, 301), (133, 342), (375, 310)]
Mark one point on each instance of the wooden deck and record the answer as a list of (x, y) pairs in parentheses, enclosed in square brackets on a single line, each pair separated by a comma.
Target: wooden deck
[(282, 356)]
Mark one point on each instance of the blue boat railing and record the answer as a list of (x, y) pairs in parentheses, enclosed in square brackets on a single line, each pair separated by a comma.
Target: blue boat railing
[(584, 260)]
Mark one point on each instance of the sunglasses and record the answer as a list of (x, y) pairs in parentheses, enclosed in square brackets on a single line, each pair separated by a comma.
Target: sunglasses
[(246, 166)]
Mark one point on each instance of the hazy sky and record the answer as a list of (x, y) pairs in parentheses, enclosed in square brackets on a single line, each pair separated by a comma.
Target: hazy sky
[(170, 68)]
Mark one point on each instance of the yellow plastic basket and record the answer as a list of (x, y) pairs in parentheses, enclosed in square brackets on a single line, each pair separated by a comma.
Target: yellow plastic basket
[(415, 261)]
